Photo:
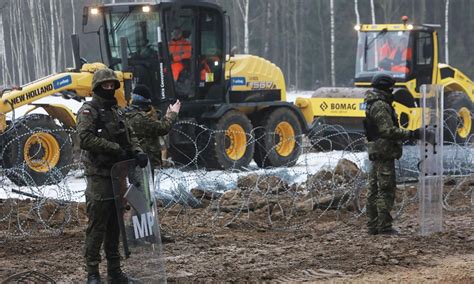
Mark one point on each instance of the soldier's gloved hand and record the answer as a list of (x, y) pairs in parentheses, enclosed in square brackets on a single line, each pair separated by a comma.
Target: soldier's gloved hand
[(415, 134), (141, 159), (119, 152), (122, 154)]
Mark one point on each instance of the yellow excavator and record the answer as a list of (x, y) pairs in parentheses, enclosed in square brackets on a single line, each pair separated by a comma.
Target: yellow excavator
[(234, 107), (410, 54), (37, 148)]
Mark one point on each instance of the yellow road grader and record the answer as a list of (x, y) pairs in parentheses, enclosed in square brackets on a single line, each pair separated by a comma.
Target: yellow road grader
[(410, 54), (234, 106)]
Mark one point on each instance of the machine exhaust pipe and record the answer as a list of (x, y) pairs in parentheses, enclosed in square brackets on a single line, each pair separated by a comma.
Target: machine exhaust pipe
[(127, 84), (76, 52)]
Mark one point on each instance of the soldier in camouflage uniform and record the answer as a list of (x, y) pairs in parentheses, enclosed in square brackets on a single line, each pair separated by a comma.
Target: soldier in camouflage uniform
[(384, 146), (106, 138), (147, 124)]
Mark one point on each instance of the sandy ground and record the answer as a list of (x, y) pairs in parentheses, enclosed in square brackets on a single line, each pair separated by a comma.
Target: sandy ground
[(315, 246)]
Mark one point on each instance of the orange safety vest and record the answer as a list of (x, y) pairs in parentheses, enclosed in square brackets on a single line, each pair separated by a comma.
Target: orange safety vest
[(204, 70), (180, 49), (387, 52), (391, 53)]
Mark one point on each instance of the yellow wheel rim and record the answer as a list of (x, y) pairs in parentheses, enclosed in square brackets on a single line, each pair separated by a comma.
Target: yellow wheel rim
[(286, 139), (465, 122), (236, 142), (41, 152)]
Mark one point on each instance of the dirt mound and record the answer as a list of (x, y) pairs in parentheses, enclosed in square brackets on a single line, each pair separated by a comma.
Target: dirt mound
[(265, 183), (345, 174), (27, 214)]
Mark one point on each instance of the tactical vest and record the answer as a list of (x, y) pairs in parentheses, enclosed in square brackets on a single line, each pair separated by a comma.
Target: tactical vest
[(371, 130), (379, 148), (112, 126)]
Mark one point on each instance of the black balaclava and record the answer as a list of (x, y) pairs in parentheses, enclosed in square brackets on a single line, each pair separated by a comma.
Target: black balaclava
[(105, 94)]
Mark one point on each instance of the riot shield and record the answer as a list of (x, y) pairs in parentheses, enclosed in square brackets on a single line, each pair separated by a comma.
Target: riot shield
[(138, 220), (431, 165)]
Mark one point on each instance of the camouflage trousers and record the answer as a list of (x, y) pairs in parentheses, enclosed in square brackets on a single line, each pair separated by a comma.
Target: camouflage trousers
[(381, 195), (103, 227)]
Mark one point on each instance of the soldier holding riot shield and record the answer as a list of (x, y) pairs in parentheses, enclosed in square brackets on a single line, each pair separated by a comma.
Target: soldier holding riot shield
[(106, 138), (384, 146)]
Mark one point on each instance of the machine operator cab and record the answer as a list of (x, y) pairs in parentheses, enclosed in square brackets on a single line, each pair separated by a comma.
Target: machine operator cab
[(405, 51), (184, 40)]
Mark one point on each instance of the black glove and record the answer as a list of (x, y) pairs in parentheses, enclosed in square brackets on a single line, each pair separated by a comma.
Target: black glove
[(141, 159), (430, 136), (415, 134), (123, 155)]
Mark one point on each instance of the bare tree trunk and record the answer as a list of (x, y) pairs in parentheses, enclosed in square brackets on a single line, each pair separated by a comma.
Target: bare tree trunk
[(53, 43), (246, 28), (323, 42), (3, 56), (372, 11), (423, 12), (244, 11), (268, 23), (18, 43), (36, 43), (24, 49), (356, 10), (286, 51), (61, 35), (13, 50), (302, 62), (296, 41), (333, 67), (446, 33), (44, 38)]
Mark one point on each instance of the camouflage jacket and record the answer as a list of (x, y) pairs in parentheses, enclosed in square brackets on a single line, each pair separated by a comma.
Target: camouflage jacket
[(104, 134), (148, 128), (388, 135)]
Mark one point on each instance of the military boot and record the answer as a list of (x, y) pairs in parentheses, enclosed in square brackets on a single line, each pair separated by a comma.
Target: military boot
[(372, 231), (389, 231), (119, 277), (94, 278)]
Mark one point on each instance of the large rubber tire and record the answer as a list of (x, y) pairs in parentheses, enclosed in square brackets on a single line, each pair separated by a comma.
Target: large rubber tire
[(352, 142), (272, 129), (228, 144), (458, 117), (37, 151), (324, 138), (183, 155), (184, 152)]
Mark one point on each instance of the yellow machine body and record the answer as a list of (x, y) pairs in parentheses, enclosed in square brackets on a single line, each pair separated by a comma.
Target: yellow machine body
[(341, 103), (78, 82), (252, 73)]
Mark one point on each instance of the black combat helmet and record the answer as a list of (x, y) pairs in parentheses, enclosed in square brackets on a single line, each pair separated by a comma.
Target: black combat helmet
[(104, 75), (383, 81)]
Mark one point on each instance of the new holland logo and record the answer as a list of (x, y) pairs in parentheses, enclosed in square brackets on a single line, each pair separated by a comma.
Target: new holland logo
[(324, 106), (62, 82)]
